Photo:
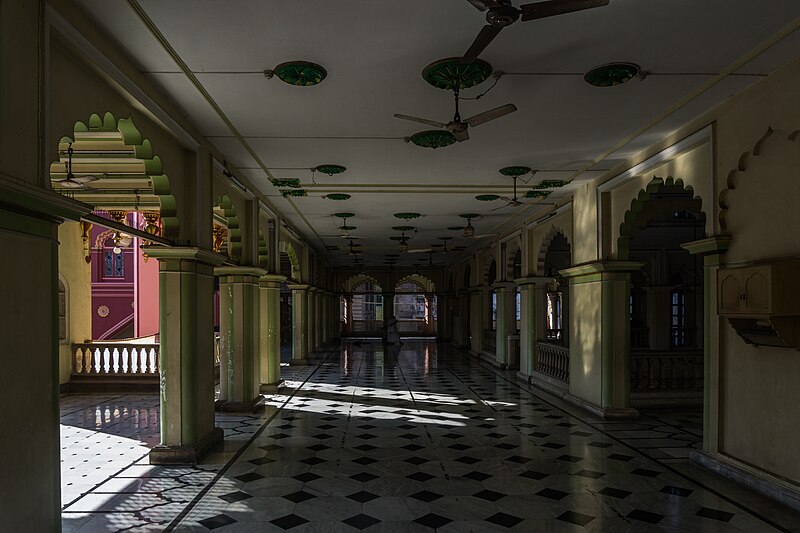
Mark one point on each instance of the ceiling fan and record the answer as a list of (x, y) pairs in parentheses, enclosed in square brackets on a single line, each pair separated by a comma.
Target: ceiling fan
[(344, 231), (72, 181), (352, 250), (514, 202), (459, 128), (433, 247), (501, 14)]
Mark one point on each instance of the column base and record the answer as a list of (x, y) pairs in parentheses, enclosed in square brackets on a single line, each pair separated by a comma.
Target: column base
[(256, 404), (607, 413), (523, 377), (272, 388), (186, 455)]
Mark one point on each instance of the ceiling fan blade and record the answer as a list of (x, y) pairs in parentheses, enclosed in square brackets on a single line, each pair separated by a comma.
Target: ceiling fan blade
[(492, 114), (421, 120), (486, 35), (501, 207), (480, 5), (551, 8), (421, 250), (485, 235), (507, 199)]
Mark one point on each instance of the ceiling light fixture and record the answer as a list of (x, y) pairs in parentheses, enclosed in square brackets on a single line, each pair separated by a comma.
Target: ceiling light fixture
[(330, 170), (432, 139), (611, 74)]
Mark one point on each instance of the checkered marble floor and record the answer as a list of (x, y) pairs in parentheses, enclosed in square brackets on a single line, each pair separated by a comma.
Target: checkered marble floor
[(420, 439)]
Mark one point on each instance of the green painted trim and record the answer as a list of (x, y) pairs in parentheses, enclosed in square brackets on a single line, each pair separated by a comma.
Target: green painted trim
[(601, 267), (713, 245), (239, 271), (22, 197), (27, 225), (165, 255)]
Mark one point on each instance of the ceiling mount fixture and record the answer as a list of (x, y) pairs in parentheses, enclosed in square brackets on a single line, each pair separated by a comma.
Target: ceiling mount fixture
[(294, 193), (487, 197), (299, 73), (432, 138), (337, 196), (612, 74), (537, 194), (330, 170), (407, 216), (550, 184), (450, 74), (500, 13)]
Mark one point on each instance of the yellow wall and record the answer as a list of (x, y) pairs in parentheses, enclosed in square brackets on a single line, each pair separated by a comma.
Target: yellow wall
[(77, 276), (584, 224), (584, 341)]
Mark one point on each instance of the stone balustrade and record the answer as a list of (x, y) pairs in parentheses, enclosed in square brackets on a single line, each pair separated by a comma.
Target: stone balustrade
[(553, 360)]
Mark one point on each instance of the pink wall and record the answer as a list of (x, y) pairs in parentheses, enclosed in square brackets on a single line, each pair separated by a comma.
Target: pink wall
[(145, 295)]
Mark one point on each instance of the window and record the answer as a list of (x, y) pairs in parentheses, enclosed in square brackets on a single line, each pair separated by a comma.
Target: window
[(553, 328), (62, 311), (493, 311), (114, 264), (678, 323), (519, 314)]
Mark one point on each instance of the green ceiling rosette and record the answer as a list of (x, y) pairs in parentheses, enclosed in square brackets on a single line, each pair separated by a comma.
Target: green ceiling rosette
[(407, 216), (451, 74), (515, 171), (550, 184), (330, 170), (294, 193), (293, 183), (611, 75), (537, 194), (433, 139), (338, 196), (300, 73), (487, 197)]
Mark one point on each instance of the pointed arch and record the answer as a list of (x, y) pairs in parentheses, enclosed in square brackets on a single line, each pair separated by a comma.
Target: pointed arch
[(629, 222), (294, 259), (555, 229), (354, 282), (225, 213), (424, 283), (130, 175)]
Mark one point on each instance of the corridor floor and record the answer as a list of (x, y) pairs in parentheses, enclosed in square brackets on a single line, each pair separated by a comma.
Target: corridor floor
[(424, 439)]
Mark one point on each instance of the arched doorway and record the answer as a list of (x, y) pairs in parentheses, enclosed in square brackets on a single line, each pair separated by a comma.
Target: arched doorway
[(666, 299), (415, 307)]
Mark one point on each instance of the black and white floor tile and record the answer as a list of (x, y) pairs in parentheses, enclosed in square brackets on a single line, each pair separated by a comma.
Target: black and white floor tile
[(421, 439)]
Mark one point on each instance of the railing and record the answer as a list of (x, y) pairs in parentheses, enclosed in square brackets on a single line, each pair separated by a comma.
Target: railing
[(667, 371), (115, 358), (553, 361), (367, 327)]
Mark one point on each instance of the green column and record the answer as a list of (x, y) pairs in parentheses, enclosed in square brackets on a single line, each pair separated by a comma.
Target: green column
[(532, 320), (600, 336), (239, 379), (464, 338), (186, 358), (299, 327), (311, 320), (269, 332), (712, 250), (443, 318), (506, 320)]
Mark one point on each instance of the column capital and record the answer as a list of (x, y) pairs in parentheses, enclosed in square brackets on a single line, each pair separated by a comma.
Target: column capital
[(230, 271), (714, 245), (504, 285), (184, 253), (268, 280), (298, 286), (601, 267), (531, 281)]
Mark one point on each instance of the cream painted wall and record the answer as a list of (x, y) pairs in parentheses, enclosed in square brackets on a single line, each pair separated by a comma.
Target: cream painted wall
[(76, 274)]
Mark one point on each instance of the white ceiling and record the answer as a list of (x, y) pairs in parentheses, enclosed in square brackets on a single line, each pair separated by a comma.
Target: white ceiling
[(374, 52)]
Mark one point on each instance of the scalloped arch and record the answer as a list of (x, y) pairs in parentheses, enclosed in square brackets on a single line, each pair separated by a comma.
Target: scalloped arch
[(512, 247), (354, 282), (263, 251), (419, 280), (294, 260), (143, 150), (743, 164), (234, 231), (637, 205), (554, 230)]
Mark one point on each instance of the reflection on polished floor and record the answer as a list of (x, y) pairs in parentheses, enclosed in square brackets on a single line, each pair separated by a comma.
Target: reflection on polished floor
[(420, 439)]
